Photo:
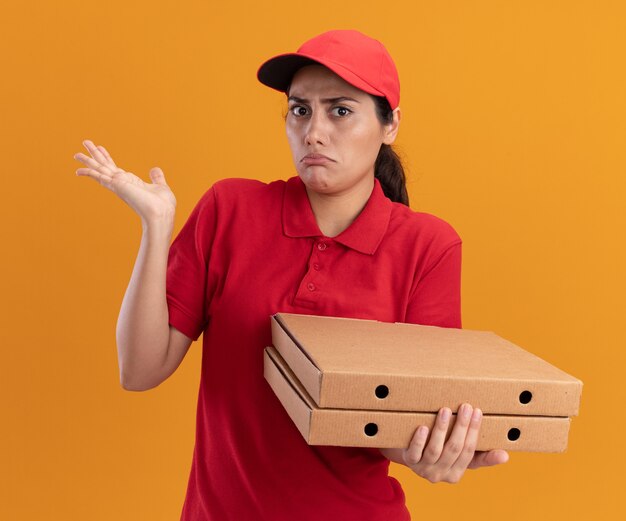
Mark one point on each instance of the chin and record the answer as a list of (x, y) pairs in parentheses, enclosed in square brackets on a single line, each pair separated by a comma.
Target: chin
[(318, 181)]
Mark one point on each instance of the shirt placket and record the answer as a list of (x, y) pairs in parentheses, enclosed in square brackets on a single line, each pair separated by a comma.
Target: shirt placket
[(312, 285)]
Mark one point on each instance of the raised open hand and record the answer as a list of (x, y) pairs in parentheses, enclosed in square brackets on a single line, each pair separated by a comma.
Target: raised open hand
[(151, 201)]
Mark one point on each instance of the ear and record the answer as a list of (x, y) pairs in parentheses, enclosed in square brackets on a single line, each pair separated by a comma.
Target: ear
[(391, 130)]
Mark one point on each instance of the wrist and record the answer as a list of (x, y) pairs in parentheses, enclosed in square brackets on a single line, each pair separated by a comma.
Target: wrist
[(158, 227), (395, 455)]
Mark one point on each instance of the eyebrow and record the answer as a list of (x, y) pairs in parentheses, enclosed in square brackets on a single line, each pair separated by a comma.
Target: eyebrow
[(325, 100)]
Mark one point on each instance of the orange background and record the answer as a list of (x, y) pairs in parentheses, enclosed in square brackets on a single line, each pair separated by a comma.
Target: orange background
[(513, 131)]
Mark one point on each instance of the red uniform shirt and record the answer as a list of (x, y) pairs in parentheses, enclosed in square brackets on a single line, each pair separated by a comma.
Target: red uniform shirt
[(250, 249)]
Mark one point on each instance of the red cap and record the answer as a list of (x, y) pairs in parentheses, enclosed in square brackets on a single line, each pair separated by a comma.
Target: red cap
[(358, 59)]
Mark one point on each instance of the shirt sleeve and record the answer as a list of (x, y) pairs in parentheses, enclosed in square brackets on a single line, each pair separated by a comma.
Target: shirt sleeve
[(436, 300), (187, 268)]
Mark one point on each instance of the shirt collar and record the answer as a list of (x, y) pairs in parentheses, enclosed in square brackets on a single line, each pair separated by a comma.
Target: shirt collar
[(364, 234)]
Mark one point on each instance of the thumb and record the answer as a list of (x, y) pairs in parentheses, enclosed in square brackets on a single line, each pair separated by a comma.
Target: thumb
[(157, 176), (488, 458)]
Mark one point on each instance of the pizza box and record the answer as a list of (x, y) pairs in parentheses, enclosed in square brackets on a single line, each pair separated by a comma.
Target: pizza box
[(346, 363), (394, 429)]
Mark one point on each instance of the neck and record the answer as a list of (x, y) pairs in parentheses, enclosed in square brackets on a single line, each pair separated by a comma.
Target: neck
[(335, 212)]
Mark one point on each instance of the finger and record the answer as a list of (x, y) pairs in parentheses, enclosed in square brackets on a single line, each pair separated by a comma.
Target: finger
[(103, 179), (106, 154), (93, 164), (413, 454), (488, 458), (157, 176), (432, 452), (95, 153), (455, 443), (471, 439)]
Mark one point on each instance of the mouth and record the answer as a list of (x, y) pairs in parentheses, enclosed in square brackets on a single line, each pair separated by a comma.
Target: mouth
[(315, 159)]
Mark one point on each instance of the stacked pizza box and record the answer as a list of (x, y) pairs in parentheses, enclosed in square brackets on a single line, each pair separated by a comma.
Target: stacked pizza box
[(365, 383)]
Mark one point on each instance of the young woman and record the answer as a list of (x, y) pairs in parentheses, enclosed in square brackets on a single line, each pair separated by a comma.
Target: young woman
[(337, 239)]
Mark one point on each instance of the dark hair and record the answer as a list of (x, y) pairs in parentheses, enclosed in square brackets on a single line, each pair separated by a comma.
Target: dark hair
[(388, 168)]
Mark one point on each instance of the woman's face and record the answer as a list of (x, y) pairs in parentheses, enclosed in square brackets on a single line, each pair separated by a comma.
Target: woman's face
[(329, 117)]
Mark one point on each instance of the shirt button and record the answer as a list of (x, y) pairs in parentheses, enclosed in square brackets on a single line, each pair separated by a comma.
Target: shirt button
[(311, 286), (316, 266), (321, 246)]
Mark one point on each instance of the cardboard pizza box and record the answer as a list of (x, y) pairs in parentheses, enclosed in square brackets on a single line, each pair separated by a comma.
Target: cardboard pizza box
[(348, 363), (393, 429)]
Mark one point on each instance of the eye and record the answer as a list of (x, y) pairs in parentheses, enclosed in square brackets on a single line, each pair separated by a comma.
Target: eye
[(342, 111), (298, 110)]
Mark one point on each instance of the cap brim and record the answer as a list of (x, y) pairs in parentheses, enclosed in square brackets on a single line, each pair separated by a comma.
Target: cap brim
[(278, 71)]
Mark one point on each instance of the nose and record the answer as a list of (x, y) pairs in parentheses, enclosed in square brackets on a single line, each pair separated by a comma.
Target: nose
[(316, 130)]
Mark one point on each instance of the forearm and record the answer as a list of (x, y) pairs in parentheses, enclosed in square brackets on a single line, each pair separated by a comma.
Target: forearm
[(142, 331)]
